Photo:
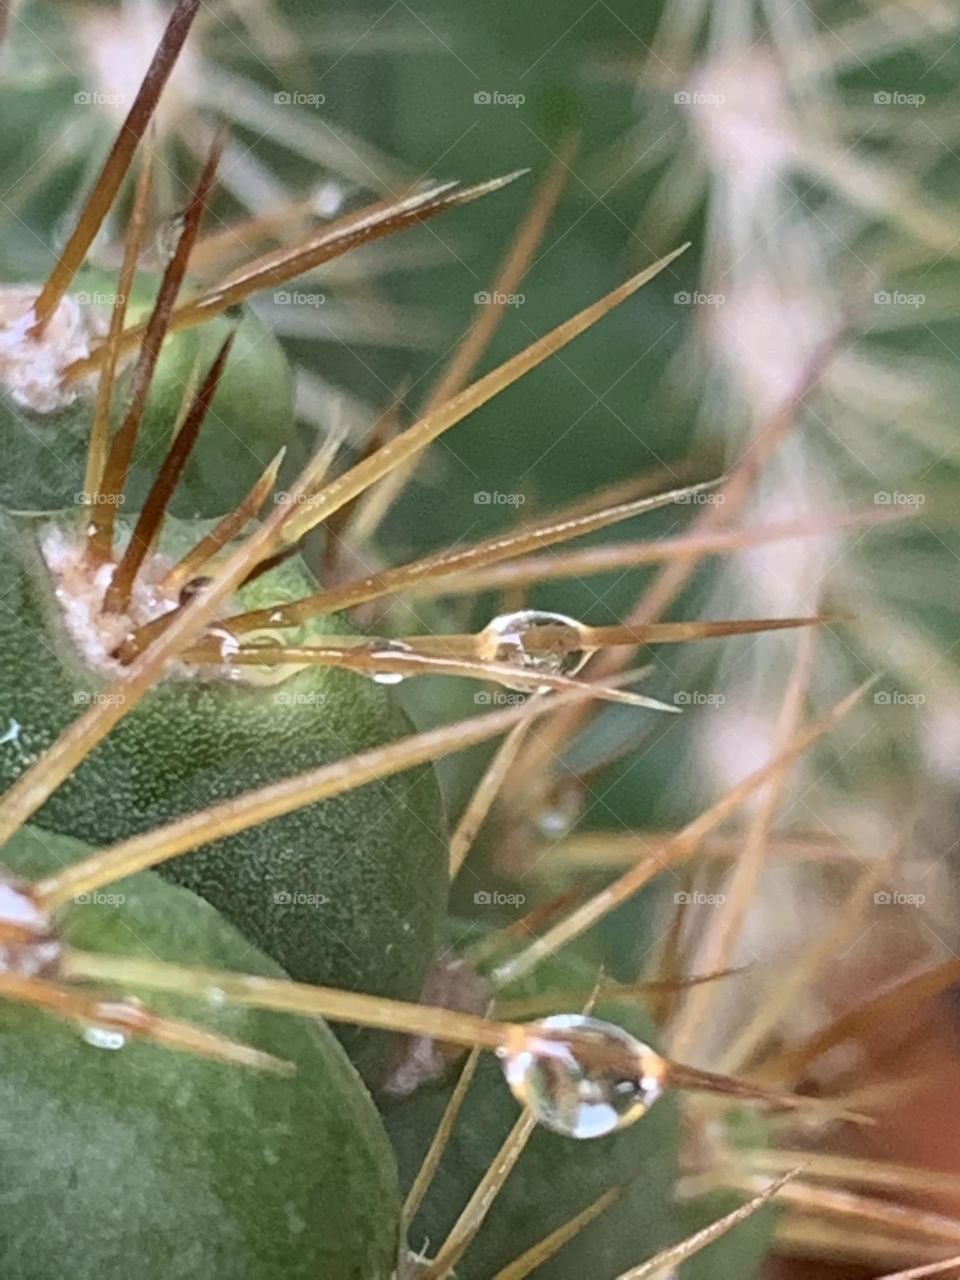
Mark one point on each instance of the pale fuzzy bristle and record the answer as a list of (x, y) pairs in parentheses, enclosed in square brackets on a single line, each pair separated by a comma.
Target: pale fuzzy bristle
[(31, 369), (81, 585)]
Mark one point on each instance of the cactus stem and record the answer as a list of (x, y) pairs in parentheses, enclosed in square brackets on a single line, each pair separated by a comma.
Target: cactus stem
[(33, 786), (150, 520), (679, 849), (117, 163), (133, 240), (254, 807), (121, 448)]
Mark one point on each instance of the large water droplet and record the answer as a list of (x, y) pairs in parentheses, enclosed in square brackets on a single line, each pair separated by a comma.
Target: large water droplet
[(535, 641), (582, 1077)]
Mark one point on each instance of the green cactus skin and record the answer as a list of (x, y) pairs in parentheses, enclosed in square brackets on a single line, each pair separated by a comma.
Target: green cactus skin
[(555, 1177), (250, 418), (370, 866), (162, 1164)]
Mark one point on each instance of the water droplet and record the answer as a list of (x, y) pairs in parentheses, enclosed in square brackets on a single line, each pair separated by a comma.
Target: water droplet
[(535, 641), (582, 1077), (386, 647), (561, 810), (104, 1037), (266, 673)]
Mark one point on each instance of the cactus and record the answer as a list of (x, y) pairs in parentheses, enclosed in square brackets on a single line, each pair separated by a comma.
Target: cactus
[(241, 1032)]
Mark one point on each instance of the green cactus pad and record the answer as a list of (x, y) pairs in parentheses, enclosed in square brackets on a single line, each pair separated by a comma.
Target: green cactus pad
[(250, 418), (162, 1164), (349, 893)]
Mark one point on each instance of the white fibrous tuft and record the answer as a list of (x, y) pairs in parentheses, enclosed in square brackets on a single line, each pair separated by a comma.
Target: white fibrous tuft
[(80, 589), (32, 368)]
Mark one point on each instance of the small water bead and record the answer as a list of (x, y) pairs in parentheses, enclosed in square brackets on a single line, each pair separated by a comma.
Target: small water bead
[(264, 674), (104, 1037), (580, 1076), (388, 647), (561, 810), (512, 638)]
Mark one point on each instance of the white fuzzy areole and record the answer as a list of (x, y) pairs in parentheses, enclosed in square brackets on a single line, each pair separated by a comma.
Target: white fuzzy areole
[(31, 369), (80, 589)]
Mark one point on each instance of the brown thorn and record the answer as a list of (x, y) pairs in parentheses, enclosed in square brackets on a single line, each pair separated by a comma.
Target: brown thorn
[(116, 165), (100, 430), (371, 511), (121, 449), (225, 529), (150, 520), (286, 263), (488, 551)]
